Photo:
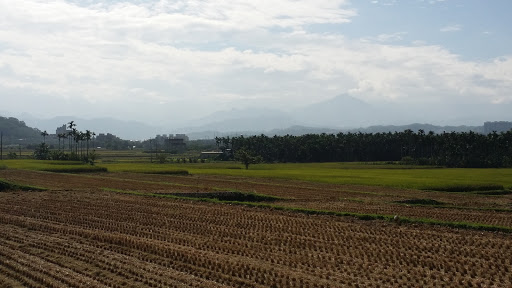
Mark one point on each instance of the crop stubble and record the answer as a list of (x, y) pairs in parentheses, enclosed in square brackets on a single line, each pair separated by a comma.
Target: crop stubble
[(460, 207), (86, 237)]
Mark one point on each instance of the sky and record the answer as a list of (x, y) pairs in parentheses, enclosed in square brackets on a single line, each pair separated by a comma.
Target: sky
[(170, 61)]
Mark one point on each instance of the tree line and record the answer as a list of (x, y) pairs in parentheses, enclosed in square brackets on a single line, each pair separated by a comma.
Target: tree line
[(78, 145), (455, 149)]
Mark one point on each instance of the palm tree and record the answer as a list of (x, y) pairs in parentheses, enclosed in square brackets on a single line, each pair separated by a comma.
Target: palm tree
[(69, 136), (44, 134), (88, 136), (61, 136), (76, 137), (58, 136), (71, 126), (81, 139), (93, 137), (74, 134)]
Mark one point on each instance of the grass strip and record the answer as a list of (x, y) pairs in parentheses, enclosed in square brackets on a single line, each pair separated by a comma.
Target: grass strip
[(158, 182), (9, 186), (466, 188), (166, 172), (75, 169), (423, 202), (360, 216), (230, 196), (495, 192), (458, 225), (449, 206), (63, 162), (214, 197)]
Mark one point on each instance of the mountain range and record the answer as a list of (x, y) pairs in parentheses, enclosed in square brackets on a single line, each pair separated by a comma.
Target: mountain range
[(342, 113)]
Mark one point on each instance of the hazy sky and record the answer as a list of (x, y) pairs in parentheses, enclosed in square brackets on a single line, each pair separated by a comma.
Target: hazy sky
[(164, 60)]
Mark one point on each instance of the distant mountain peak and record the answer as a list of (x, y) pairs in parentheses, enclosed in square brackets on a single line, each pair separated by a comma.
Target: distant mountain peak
[(340, 111)]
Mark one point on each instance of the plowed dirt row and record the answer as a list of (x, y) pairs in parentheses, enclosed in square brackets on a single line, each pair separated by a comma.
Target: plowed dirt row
[(92, 238)]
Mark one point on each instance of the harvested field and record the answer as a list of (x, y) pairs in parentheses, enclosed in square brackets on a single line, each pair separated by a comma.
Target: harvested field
[(476, 215), (301, 190), (76, 234)]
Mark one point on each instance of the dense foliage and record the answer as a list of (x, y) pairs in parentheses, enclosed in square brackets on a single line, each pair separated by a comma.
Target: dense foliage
[(465, 149), (13, 130)]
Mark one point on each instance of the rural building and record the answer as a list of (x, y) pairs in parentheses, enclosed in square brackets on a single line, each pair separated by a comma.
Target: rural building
[(62, 130), (171, 143)]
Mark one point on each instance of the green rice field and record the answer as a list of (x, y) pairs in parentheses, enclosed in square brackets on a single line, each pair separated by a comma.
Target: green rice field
[(374, 174)]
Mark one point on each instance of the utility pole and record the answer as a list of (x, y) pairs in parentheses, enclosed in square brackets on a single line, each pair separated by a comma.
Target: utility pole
[(1, 145), (20, 149)]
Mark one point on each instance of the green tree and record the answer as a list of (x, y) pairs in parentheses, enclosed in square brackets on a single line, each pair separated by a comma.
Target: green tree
[(247, 158), (88, 136), (42, 152), (44, 134), (71, 133), (93, 156), (62, 136), (161, 158)]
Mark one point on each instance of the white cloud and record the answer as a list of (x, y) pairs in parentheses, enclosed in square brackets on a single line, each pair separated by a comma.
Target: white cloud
[(433, 1), (204, 54), (451, 28), (385, 2), (386, 38)]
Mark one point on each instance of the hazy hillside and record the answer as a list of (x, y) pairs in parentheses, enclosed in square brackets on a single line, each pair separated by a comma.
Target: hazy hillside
[(226, 123), (130, 130), (341, 111), (13, 130), (301, 130), (416, 127), (298, 130), (239, 120)]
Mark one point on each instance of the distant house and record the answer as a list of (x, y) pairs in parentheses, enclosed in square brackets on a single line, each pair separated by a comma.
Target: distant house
[(62, 130)]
